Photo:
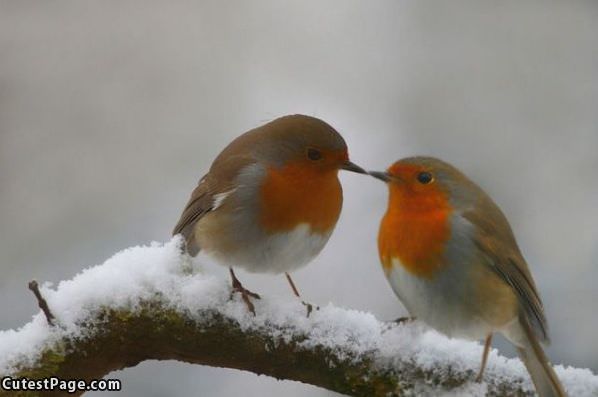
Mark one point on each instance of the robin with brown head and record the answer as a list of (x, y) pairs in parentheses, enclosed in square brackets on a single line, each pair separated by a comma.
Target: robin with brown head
[(450, 256), (270, 200)]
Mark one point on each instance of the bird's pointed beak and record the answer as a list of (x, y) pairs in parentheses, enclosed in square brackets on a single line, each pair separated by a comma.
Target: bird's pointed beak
[(350, 166), (383, 176)]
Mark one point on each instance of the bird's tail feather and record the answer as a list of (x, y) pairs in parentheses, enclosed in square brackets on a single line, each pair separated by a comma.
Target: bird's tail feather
[(533, 356)]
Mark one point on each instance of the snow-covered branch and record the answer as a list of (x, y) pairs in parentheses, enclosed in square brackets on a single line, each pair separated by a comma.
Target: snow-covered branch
[(151, 303)]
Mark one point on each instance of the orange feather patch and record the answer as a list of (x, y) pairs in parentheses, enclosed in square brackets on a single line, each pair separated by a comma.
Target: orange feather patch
[(300, 193), (415, 230)]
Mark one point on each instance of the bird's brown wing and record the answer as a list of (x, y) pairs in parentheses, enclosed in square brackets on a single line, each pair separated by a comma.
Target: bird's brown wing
[(496, 242), (227, 165), (220, 179), (200, 203)]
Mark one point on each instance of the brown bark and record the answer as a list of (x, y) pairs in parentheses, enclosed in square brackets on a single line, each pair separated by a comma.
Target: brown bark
[(121, 339)]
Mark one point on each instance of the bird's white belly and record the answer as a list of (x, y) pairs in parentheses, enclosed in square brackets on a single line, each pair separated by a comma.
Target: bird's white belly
[(443, 302), (277, 253)]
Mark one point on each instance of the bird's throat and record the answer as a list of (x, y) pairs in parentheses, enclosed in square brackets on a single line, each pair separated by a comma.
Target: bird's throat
[(295, 194), (415, 233)]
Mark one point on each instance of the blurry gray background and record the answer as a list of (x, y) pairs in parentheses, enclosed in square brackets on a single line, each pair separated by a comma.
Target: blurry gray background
[(110, 111)]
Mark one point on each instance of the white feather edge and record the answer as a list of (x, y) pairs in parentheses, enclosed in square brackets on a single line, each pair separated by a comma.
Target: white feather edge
[(220, 197)]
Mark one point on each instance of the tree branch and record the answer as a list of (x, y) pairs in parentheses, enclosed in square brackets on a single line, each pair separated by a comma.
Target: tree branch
[(41, 302), (123, 339), (112, 317)]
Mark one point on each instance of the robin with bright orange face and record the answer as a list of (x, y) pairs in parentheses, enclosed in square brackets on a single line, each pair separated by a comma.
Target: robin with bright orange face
[(451, 258), (270, 200)]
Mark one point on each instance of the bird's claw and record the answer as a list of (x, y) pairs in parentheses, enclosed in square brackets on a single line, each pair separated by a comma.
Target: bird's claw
[(309, 307), (246, 295)]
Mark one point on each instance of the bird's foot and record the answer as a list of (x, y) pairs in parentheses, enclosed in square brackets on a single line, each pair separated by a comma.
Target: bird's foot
[(244, 291), (309, 307), (246, 295)]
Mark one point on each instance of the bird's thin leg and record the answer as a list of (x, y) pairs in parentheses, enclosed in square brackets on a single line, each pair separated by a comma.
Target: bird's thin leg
[(290, 280), (309, 306), (484, 357), (245, 293)]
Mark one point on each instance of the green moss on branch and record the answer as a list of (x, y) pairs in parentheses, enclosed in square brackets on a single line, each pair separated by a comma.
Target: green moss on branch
[(119, 339)]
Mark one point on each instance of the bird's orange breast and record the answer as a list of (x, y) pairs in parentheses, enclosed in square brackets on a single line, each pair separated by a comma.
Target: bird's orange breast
[(415, 230), (296, 194)]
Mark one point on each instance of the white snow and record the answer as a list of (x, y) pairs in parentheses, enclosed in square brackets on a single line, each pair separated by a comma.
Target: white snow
[(141, 273)]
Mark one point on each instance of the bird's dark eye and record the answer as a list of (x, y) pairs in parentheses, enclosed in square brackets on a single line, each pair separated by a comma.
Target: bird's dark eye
[(314, 154), (424, 177)]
